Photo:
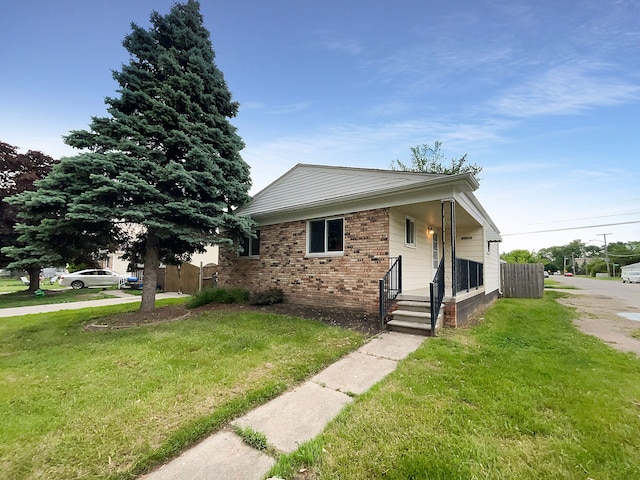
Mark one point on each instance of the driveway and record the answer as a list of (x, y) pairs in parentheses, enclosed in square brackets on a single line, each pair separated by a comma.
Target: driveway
[(609, 310)]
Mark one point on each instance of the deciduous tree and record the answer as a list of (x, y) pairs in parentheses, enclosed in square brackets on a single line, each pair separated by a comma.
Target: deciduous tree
[(428, 159), (18, 173), (520, 256)]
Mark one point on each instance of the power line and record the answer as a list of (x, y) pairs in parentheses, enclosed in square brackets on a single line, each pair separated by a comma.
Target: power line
[(570, 228), (586, 218)]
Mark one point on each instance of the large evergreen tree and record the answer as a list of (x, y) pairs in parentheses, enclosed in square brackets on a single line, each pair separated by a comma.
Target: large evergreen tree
[(166, 159)]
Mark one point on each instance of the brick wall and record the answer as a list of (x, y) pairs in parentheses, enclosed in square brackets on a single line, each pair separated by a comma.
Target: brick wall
[(350, 280)]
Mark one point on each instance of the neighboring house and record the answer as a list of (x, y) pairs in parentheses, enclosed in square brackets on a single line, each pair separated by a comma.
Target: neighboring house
[(330, 235), (115, 262)]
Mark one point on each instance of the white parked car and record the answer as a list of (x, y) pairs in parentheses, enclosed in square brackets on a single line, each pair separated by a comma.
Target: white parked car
[(91, 278)]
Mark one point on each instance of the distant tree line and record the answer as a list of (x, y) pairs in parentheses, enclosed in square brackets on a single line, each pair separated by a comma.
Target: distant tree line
[(580, 258)]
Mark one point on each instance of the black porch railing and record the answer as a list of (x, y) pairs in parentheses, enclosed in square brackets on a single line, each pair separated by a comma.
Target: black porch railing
[(469, 275), (436, 292), (390, 287)]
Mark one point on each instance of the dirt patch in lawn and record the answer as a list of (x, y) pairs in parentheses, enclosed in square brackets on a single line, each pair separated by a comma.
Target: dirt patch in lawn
[(344, 318), (598, 316)]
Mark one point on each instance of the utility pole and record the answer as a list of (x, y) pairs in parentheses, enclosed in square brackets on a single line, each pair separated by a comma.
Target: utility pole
[(606, 252)]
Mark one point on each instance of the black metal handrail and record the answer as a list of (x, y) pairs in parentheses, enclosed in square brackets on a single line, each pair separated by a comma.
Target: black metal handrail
[(469, 274), (436, 292), (390, 286)]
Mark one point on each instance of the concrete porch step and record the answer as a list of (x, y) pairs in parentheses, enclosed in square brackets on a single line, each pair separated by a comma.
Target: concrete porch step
[(413, 297), (411, 316), (414, 306), (413, 328)]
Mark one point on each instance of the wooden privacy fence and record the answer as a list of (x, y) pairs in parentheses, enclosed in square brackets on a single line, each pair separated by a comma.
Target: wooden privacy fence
[(186, 278), (522, 280)]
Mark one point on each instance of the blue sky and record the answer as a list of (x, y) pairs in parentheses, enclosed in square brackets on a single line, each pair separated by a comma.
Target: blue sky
[(544, 95)]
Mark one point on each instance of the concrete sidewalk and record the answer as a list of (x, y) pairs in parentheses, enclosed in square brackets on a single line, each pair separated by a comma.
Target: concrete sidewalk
[(121, 297), (292, 418)]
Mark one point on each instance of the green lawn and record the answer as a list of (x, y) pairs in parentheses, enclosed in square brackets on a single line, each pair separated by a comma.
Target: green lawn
[(110, 404), (551, 283), (15, 285), (23, 298), (523, 395)]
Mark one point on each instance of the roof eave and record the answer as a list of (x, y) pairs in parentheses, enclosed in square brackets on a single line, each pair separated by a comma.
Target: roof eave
[(465, 182)]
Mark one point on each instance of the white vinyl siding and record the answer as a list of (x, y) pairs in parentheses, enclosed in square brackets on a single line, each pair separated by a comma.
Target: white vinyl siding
[(492, 268), (470, 244), (409, 232), (310, 184), (416, 261)]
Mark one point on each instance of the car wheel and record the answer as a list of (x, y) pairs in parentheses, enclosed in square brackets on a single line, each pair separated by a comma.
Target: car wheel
[(77, 285)]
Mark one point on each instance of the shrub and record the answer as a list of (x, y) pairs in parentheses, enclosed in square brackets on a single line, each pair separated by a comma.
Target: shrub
[(218, 295), (268, 297), (598, 266)]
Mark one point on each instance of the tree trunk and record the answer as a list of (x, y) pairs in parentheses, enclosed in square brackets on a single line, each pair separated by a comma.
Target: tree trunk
[(34, 279), (150, 273)]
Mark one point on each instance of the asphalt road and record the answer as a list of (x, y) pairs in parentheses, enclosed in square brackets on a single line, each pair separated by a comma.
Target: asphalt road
[(628, 294)]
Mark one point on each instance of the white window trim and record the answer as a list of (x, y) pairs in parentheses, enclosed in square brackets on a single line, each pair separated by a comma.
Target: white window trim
[(325, 253), (415, 241)]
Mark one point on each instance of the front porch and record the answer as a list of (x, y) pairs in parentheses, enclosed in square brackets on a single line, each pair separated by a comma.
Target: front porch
[(423, 311)]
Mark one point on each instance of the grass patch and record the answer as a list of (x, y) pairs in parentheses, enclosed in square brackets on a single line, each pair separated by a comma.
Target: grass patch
[(549, 283), (26, 299), (15, 285), (522, 395), (257, 440), (304, 457), (113, 404), (636, 333)]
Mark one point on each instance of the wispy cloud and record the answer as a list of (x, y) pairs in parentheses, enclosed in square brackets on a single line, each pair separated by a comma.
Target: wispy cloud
[(275, 109), (349, 46), (289, 108), (373, 146), (339, 42), (519, 167), (566, 89)]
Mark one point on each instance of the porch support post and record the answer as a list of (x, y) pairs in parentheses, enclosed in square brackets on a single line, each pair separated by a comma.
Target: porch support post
[(448, 207)]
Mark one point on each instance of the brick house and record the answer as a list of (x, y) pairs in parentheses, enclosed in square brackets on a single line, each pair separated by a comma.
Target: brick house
[(373, 240)]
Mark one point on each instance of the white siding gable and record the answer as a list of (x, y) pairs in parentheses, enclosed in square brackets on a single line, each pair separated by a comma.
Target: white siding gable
[(306, 185)]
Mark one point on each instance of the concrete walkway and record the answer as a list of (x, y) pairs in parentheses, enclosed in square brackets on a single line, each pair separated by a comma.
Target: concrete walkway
[(292, 418), (121, 297)]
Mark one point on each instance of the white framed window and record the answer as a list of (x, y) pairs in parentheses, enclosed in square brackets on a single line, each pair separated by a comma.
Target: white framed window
[(250, 246), (435, 249), (409, 232), (325, 236)]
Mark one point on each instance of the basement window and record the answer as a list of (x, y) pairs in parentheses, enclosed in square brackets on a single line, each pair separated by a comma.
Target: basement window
[(325, 236)]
